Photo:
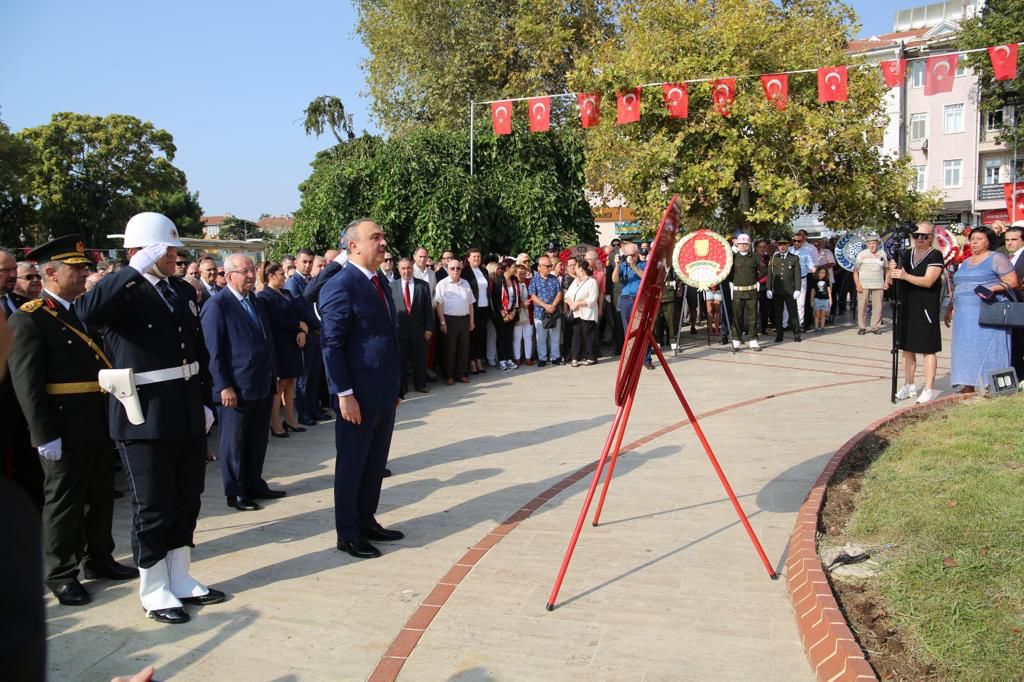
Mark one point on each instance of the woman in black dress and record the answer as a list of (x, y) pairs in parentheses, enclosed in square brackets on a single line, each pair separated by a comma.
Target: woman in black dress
[(289, 333)]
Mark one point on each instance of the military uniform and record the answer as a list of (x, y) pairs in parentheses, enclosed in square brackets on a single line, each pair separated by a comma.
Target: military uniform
[(746, 271), (784, 279)]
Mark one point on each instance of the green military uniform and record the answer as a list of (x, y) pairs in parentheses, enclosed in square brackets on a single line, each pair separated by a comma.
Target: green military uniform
[(746, 271), (783, 282)]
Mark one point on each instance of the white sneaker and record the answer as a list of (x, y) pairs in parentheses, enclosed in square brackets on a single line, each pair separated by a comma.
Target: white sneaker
[(753, 344), (735, 344), (927, 395), (907, 391)]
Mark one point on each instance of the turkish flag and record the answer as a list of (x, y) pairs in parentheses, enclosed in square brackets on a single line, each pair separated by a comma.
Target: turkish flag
[(776, 89), (723, 94), (1004, 61), (893, 72), (677, 99), (540, 114), (501, 117), (939, 73), (590, 108), (1013, 192), (629, 106), (832, 84)]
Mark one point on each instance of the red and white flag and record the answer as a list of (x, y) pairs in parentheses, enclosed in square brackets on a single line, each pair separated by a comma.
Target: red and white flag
[(893, 72), (590, 108), (776, 89), (1013, 192), (723, 94), (501, 117), (1004, 61), (832, 84), (629, 106), (677, 99), (540, 114), (939, 73)]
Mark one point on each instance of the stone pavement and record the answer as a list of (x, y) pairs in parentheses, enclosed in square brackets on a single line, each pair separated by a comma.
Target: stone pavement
[(668, 587)]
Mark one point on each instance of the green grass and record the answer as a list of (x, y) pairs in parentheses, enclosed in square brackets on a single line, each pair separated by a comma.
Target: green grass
[(952, 487)]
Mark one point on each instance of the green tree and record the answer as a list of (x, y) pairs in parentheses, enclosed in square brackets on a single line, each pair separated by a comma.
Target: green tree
[(17, 209), (93, 173), (428, 59), (759, 166), (1000, 22), (240, 228), (328, 112)]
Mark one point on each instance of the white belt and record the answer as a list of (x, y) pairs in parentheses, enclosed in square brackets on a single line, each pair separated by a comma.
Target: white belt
[(157, 376)]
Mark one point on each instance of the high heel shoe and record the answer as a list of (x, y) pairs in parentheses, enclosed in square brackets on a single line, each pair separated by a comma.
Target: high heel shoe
[(296, 429), (283, 434)]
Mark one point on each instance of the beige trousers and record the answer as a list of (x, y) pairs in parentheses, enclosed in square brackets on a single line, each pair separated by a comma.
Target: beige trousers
[(876, 308)]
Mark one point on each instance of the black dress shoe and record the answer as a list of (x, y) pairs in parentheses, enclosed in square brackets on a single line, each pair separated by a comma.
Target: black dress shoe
[(307, 422), (110, 570), (360, 549), (283, 434), (295, 429), (269, 494), (211, 597), (71, 594), (243, 504), (324, 416), (797, 339), (174, 616), (382, 534), (387, 473), (778, 339)]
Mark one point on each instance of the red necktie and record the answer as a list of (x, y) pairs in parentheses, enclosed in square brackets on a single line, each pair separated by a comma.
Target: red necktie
[(408, 299), (380, 292)]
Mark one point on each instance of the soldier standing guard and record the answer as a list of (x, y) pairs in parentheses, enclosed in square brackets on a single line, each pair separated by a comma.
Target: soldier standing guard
[(784, 287), (746, 271), (53, 367), (151, 330)]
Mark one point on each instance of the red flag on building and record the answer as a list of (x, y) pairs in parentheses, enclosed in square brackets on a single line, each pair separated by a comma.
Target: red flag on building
[(1004, 61), (677, 99), (1013, 192), (723, 94), (540, 114), (590, 108), (832, 84), (501, 117), (776, 89), (893, 72), (629, 106), (939, 73)]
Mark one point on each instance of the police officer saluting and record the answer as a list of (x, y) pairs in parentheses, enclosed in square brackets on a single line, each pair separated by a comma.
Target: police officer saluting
[(53, 367), (159, 409)]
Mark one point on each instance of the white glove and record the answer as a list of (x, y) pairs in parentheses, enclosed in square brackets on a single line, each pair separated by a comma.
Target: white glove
[(730, 288), (796, 295), (51, 450), (208, 415), (146, 257), (341, 258), (768, 293)]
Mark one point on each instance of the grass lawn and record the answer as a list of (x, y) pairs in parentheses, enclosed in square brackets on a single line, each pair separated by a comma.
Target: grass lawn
[(949, 494)]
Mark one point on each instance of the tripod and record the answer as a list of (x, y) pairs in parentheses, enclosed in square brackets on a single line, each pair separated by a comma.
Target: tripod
[(898, 320)]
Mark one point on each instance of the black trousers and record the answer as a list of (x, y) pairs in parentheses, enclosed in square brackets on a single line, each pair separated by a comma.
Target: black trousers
[(244, 432), (503, 337), (780, 299), (166, 478), (78, 508), (744, 315), (456, 346), (478, 337), (412, 350), (584, 339), (362, 453), (1017, 352), (307, 388)]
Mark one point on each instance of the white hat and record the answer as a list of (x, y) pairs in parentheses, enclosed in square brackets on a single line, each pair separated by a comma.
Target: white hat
[(742, 239), (145, 229), (871, 237)]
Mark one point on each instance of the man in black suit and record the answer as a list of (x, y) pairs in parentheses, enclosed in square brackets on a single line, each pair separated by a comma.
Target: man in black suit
[(1014, 241), (307, 389), (208, 271), (415, 325)]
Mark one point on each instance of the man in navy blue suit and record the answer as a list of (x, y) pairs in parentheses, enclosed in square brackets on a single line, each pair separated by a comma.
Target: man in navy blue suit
[(307, 389), (236, 330), (360, 350)]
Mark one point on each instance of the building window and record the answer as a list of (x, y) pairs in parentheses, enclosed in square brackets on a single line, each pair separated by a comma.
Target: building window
[(960, 68), (994, 120), (951, 173), (918, 126), (992, 168), (917, 73), (921, 179), (953, 118)]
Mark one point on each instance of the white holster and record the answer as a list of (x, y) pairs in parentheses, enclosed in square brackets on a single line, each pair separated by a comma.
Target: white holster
[(120, 383)]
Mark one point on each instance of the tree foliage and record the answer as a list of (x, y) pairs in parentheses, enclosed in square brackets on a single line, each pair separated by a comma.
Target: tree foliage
[(91, 174), (527, 190), (17, 212), (328, 112), (1000, 22), (428, 59), (240, 228), (756, 168)]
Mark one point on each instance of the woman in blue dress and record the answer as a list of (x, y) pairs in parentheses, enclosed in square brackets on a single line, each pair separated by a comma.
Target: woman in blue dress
[(289, 334), (977, 349)]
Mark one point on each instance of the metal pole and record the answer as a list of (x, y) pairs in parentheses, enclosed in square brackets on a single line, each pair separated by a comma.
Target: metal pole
[(471, 103)]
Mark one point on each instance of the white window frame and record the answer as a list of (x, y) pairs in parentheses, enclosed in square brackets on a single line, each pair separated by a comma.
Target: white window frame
[(1002, 120), (947, 168), (921, 181), (991, 170), (946, 111), (917, 73), (923, 118)]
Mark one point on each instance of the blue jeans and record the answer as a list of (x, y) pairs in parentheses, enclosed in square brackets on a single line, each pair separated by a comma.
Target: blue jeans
[(547, 340), (626, 310)]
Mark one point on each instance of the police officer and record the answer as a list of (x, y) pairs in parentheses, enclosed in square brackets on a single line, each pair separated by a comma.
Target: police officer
[(746, 270), (784, 287), (53, 367), (150, 323)]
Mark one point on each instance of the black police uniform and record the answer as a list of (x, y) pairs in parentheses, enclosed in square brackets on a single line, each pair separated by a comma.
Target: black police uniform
[(164, 458)]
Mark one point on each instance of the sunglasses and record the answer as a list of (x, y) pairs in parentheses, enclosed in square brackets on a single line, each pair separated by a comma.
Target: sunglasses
[(388, 260), (31, 278), (220, 272), (181, 262), (454, 268), (921, 235)]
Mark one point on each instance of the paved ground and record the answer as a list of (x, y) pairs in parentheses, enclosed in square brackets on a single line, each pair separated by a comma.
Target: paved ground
[(667, 588)]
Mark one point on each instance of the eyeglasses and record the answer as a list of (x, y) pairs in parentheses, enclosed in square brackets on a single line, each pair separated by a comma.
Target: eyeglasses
[(543, 265), (181, 262), (921, 235), (388, 260), (31, 277), (798, 241), (454, 268), (220, 273), (242, 270)]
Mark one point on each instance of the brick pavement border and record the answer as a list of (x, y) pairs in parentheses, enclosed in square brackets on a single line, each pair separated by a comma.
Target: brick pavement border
[(831, 648)]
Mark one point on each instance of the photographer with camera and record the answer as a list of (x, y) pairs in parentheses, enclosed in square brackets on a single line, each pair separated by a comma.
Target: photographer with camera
[(628, 271)]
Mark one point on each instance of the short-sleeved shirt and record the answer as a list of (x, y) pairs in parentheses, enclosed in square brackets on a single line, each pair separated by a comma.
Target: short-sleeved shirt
[(455, 297), (808, 256), (629, 279), (871, 268), (546, 289)]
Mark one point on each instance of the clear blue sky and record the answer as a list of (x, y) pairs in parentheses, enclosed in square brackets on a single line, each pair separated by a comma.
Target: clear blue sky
[(228, 79)]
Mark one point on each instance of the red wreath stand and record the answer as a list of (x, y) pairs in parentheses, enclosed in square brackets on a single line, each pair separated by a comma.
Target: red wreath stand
[(638, 338)]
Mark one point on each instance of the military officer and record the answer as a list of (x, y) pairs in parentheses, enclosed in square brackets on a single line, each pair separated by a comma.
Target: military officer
[(784, 287), (746, 271), (53, 367), (150, 323)]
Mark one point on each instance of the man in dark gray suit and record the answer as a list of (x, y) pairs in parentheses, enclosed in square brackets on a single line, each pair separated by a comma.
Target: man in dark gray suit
[(1014, 241), (415, 321)]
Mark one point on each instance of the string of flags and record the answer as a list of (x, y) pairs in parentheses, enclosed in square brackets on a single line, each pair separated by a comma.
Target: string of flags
[(940, 71)]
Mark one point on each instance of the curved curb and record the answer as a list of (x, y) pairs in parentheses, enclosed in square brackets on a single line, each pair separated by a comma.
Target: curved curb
[(831, 649)]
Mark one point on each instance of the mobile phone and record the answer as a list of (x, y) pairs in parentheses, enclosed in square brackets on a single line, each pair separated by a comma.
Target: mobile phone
[(984, 292)]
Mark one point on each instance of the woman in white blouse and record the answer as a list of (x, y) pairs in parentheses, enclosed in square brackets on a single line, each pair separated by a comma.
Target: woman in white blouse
[(582, 298)]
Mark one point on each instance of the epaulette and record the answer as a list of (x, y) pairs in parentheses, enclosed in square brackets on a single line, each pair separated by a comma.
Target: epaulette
[(31, 306)]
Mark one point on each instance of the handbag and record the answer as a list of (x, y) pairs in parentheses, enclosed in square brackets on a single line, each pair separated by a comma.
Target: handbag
[(549, 320), (1003, 313)]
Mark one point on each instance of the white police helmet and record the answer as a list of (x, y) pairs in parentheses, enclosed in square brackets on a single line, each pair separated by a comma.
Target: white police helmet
[(146, 229)]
